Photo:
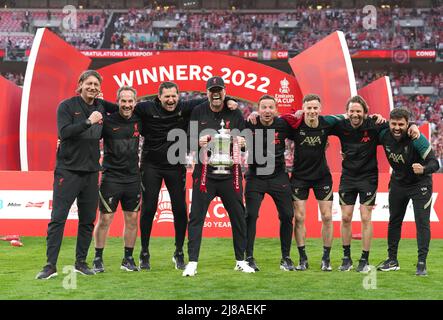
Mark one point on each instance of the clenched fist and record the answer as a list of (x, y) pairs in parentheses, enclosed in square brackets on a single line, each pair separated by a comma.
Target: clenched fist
[(95, 117)]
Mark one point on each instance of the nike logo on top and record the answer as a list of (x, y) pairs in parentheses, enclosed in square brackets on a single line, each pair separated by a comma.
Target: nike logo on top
[(77, 113), (115, 129)]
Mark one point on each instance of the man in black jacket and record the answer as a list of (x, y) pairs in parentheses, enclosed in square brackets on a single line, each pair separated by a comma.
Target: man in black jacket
[(79, 124), (412, 162), (120, 181), (207, 184)]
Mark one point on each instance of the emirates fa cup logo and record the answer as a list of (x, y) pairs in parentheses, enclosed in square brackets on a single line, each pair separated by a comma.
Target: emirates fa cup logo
[(164, 208), (284, 86)]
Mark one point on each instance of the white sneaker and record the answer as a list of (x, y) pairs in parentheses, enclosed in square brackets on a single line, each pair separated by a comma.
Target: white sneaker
[(190, 270), (243, 266)]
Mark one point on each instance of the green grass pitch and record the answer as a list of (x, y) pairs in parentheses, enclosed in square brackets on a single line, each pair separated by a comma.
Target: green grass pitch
[(216, 278)]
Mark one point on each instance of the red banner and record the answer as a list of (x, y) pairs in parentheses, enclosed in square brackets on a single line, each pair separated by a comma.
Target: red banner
[(10, 96), (26, 203), (190, 70), (125, 54)]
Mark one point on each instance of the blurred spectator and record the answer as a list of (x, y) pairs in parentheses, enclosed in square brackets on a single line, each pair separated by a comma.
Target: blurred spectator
[(17, 78)]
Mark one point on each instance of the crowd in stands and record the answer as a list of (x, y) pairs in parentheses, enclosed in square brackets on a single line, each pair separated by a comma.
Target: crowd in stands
[(17, 78), (233, 30), (86, 31), (249, 31)]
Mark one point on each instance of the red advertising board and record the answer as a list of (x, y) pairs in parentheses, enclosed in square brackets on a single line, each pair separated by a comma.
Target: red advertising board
[(390, 54), (26, 203)]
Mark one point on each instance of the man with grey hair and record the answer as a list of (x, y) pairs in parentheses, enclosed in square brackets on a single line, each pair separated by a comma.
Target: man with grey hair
[(120, 182), (79, 126)]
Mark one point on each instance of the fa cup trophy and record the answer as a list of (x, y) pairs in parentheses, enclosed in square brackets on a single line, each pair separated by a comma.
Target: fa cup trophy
[(221, 151)]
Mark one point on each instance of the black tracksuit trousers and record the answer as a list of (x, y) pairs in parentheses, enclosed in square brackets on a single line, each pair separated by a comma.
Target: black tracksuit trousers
[(175, 181), (279, 189), (399, 197), (69, 185), (232, 201)]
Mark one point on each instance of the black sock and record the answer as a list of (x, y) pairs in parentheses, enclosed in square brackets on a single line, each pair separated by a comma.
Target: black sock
[(128, 252), (326, 252), (347, 251), (365, 255), (99, 252), (302, 253)]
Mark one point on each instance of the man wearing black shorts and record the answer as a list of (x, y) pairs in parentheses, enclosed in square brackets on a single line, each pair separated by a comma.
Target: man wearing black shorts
[(359, 138), (207, 184), (79, 127), (310, 170), (120, 182), (412, 162), (268, 177)]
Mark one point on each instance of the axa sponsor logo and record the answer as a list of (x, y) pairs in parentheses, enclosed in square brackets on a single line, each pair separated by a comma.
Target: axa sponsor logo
[(397, 158), (311, 141)]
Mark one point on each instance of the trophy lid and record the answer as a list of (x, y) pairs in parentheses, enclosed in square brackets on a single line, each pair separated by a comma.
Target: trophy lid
[(223, 131)]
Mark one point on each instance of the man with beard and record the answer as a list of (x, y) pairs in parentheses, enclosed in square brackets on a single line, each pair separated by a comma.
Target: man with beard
[(207, 184), (79, 126), (120, 180), (412, 162), (359, 138)]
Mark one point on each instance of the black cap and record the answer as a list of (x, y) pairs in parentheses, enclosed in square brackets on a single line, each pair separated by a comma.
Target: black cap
[(215, 82)]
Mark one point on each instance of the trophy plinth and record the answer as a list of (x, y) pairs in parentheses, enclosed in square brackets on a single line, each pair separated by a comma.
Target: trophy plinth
[(221, 151)]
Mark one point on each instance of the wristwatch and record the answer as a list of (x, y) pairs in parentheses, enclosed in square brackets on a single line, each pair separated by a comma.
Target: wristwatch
[(88, 122)]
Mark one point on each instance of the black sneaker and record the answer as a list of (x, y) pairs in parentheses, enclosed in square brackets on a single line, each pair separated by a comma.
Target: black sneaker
[(389, 265), (286, 264), (83, 268), (303, 265), (97, 265), (251, 262), (326, 265), (363, 266), (49, 271), (346, 264), (179, 260), (421, 269), (128, 264), (144, 261)]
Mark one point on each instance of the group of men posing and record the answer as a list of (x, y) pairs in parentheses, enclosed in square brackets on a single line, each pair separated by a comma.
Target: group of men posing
[(85, 119)]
